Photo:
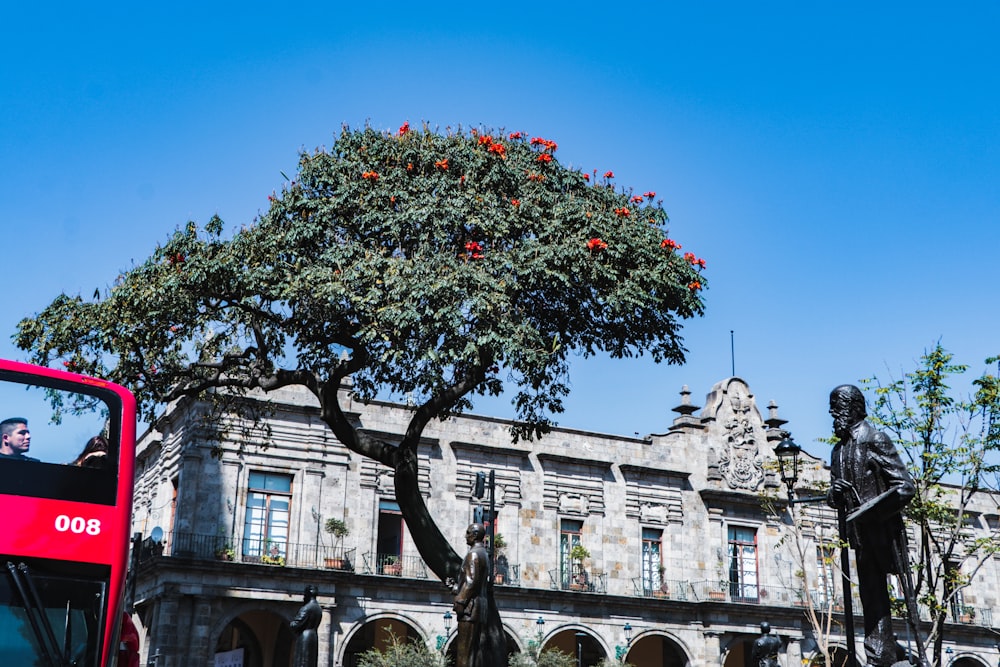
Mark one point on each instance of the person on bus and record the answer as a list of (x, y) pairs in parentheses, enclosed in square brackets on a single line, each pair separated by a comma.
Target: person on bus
[(15, 439), (128, 652), (94, 454)]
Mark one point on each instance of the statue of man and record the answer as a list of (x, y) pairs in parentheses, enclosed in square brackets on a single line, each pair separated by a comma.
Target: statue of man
[(471, 604), (304, 625), (765, 648), (866, 468)]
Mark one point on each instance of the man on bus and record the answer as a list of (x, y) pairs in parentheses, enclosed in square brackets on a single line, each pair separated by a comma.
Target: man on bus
[(15, 439)]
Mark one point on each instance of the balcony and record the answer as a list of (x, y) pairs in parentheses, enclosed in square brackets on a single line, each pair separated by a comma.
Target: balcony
[(667, 589), (393, 565), (260, 552), (581, 580)]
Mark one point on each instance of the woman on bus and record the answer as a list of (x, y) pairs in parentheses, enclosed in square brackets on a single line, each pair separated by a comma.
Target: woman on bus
[(94, 454)]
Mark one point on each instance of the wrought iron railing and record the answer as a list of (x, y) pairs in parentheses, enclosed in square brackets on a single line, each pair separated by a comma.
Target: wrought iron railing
[(392, 565), (259, 551), (580, 579), (668, 589)]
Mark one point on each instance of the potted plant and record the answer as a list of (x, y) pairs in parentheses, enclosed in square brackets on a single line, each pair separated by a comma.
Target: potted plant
[(577, 554), (720, 592), (338, 528), (968, 614), (392, 566), (502, 567), (226, 552)]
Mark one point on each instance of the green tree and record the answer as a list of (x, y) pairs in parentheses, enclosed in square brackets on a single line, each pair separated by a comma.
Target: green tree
[(546, 658), (951, 444), (426, 264), (401, 653)]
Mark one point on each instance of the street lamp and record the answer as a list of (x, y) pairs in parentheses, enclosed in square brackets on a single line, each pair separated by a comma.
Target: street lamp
[(788, 464), (628, 633), (447, 621)]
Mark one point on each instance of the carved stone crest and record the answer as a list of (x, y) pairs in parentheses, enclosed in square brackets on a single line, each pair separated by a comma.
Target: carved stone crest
[(741, 464)]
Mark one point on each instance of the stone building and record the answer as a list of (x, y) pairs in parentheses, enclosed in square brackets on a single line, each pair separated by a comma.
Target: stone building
[(681, 564)]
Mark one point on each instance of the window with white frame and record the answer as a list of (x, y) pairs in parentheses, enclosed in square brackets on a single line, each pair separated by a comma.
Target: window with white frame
[(652, 560), (743, 563), (269, 500)]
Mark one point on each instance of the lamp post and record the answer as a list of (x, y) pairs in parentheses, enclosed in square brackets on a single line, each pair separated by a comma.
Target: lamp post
[(622, 651), (443, 639), (579, 648), (788, 465)]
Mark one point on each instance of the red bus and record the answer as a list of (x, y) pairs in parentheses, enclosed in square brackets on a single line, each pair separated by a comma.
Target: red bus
[(64, 535)]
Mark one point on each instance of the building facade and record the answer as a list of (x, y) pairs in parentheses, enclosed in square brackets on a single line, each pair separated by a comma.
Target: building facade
[(678, 561)]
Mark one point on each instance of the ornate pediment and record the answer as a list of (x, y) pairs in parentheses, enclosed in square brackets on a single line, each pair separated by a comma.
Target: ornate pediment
[(738, 430)]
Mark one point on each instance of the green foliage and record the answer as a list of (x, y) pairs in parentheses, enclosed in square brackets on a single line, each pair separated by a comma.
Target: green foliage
[(952, 446), (547, 658), (579, 552), (400, 653), (428, 264), (336, 527)]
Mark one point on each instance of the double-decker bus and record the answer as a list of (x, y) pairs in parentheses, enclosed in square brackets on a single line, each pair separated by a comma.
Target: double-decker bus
[(65, 516)]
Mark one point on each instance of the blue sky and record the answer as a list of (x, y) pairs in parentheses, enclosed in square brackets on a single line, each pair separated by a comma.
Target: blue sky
[(837, 164)]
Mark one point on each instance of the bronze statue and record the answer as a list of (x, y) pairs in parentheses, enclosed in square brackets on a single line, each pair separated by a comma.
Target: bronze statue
[(765, 648), (471, 604), (304, 625), (870, 483)]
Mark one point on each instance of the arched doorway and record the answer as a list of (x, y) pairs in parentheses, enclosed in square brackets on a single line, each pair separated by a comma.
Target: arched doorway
[(967, 661), (577, 642), (656, 650), (378, 633), (260, 638), (452, 653)]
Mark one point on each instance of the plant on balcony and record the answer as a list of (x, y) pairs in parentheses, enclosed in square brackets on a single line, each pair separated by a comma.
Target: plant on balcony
[(501, 564), (338, 528), (273, 560), (580, 579), (226, 552), (392, 565)]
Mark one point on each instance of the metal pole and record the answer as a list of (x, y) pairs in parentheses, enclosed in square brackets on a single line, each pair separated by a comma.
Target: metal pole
[(493, 526), (845, 566)]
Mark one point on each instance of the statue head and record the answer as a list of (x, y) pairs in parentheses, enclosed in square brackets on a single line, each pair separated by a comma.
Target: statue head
[(847, 407), (310, 593), (475, 533)]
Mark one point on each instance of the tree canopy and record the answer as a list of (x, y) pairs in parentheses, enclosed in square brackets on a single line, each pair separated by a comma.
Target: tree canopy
[(433, 265)]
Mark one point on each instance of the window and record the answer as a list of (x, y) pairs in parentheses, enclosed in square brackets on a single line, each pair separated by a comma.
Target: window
[(390, 538), (652, 561), (825, 574), (265, 532), (569, 537), (743, 564)]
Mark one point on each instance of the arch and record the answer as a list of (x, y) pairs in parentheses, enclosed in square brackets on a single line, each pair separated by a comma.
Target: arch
[(573, 639), (657, 648), (450, 647), (967, 660), (263, 635), (376, 631)]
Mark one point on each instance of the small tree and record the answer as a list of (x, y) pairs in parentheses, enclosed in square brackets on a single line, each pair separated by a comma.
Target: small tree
[(951, 444), (338, 528)]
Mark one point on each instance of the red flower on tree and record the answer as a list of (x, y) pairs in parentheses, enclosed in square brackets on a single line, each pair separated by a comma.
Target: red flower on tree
[(485, 139), (475, 249), (404, 129), (609, 174), (544, 157), (689, 256), (649, 195), (499, 149), (636, 199), (586, 177), (370, 176), (622, 212), (516, 135), (596, 245), (515, 202), (694, 286), (442, 164), (670, 243)]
